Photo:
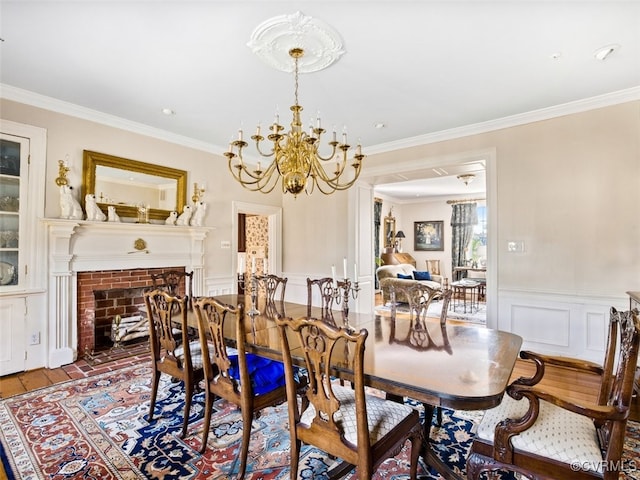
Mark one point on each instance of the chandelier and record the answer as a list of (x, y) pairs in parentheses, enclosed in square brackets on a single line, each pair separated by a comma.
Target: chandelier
[(295, 156)]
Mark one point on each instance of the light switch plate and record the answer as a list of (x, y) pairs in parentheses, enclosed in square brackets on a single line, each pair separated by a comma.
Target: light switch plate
[(515, 246)]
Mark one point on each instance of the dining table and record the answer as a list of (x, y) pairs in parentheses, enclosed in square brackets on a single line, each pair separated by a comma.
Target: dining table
[(454, 366)]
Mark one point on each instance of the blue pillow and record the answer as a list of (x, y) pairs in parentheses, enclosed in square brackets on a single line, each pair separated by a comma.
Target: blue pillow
[(421, 275), (266, 375), (405, 277)]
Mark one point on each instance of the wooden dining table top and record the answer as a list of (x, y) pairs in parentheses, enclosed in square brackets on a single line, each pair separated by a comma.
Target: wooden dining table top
[(455, 366)]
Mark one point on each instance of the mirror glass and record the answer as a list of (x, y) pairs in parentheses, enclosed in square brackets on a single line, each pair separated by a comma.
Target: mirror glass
[(389, 230), (127, 184)]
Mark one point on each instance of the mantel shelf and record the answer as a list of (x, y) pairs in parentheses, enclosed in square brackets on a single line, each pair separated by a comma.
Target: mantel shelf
[(109, 226)]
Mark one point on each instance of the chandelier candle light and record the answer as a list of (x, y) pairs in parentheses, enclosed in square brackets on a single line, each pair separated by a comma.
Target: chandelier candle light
[(295, 155)]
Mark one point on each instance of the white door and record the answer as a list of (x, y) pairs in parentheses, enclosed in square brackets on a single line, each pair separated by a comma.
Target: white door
[(12, 337)]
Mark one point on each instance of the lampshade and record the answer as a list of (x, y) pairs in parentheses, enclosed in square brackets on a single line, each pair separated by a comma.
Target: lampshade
[(400, 234)]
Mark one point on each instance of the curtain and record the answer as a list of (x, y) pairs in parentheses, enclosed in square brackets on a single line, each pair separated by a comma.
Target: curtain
[(463, 218), (377, 217)]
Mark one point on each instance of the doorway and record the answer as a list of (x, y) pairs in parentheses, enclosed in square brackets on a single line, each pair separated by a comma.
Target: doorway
[(273, 260), (409, 171)]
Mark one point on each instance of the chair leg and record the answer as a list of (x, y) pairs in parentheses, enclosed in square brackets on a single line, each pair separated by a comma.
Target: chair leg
[(247, 421), (208, 407), (416, 449), (155, 382), (188, 396), (295, 458)]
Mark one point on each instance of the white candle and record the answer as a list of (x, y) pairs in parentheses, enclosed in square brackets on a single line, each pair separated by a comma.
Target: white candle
[(264, 266), (241, 265), (258, 130), (344, 267), (240, 134), (333, 275), (355, 272), (253, 264)]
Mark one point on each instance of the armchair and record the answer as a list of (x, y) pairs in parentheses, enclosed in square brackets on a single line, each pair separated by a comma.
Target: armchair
[(545, 436)]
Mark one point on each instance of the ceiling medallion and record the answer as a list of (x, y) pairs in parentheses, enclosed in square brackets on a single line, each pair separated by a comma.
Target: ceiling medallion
[(273, 39)]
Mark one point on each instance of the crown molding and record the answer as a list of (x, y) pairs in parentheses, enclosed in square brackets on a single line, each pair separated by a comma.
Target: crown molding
[(48, 103), (59, 106), (606, 100)]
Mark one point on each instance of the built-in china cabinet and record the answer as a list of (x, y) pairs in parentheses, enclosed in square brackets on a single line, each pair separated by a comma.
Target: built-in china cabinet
[(22, 172)]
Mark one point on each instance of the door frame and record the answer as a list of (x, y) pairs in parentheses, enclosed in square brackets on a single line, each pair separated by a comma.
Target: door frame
[(274, 214), (491, 179)]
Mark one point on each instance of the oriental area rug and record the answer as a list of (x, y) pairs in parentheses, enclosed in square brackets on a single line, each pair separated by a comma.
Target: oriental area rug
[(96, 428)]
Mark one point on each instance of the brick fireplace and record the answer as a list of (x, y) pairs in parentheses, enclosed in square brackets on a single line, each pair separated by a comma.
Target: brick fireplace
[(104, 294), (106, 257)]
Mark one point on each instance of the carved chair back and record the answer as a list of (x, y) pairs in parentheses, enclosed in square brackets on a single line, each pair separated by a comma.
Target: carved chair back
[(334, 417)]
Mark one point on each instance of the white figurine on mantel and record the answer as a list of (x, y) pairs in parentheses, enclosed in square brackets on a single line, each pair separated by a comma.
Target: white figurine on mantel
[(185, 216), (69, 206), (112, 215), (198, 215), (171, 219), (93, 210)]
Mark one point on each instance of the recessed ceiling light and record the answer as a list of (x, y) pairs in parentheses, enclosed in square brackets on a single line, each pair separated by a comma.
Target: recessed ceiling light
[(379, 125), (555, 55), (604, 52), (168, 111)]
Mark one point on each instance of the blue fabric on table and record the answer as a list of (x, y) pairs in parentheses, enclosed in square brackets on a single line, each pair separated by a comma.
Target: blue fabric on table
[(405, 277), (266, 374), (421, 275)]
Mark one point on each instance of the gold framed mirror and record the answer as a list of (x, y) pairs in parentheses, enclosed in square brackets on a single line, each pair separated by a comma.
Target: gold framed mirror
[(126, 183), (389, 229)]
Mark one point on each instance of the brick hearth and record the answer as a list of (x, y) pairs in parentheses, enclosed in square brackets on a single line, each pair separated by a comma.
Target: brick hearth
[(104, 294)]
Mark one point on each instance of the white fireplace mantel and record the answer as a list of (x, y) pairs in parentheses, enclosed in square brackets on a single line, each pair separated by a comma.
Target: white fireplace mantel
[(82, 246)]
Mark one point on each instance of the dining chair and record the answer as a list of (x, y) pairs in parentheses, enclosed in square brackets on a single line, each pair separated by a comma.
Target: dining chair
[(249, 381), (345, 422), (325, 286), (548, 436), (419, 298), (176, 282), (274, 290), (273, 286), (172, 352)]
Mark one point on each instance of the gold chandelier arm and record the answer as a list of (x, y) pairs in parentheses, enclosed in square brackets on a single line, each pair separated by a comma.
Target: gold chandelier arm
[(249, 180), (258, 139), (334, 182)]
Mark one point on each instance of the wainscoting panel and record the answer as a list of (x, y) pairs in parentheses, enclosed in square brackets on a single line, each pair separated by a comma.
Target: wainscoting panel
[(541, 324), (556, 324)]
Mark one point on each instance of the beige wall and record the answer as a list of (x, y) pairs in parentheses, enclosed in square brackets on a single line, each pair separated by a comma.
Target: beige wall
[(68, 135), (569, 188)]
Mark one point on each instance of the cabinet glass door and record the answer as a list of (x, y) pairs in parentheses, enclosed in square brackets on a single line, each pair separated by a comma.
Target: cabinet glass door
[(13, 180)]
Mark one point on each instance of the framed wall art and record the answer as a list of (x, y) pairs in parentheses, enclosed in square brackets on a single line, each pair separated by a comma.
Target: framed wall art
[(428, 236)]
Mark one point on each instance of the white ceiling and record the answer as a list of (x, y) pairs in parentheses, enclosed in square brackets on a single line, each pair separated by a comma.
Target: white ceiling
[(418, 67)]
